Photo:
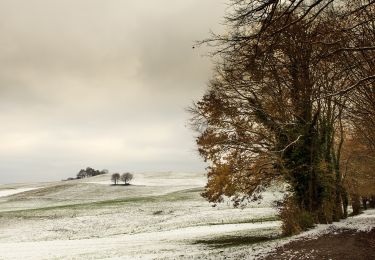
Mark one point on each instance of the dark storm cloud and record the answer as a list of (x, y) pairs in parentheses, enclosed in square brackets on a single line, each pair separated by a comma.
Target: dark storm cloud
[(100, 83)]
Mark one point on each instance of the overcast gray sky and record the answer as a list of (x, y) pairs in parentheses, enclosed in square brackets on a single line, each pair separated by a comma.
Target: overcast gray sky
[(100, 83)]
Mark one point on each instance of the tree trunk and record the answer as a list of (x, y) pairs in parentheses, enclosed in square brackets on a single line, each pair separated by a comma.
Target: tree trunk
[(364, 203), (372, 202), (356, 204), (345, 202)]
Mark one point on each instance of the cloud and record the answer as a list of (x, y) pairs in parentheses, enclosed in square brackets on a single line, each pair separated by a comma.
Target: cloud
[(100, 83)]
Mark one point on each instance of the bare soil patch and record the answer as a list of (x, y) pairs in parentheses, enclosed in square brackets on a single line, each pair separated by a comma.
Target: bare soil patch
[(340, 245)]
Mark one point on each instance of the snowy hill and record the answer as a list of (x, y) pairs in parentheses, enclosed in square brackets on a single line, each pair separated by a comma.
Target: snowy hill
[(160, 214)]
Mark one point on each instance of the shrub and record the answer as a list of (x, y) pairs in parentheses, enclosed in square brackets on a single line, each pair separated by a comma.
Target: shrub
[(295, 220)]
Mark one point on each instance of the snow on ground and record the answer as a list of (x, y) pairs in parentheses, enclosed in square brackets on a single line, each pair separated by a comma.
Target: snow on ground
[(162, 217), (8, 192), (158, 179), (363, 222), (360, 223), (178, 243), (143, 245)]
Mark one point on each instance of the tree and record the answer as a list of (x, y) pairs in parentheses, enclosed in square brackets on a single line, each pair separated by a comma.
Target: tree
[(115, 178), (81, 174), (276, 105), (126, 177), (90, 172), (104, 171)]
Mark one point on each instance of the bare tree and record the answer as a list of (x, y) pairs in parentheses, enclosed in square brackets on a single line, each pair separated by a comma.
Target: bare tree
[(115, 178), (126, 177)]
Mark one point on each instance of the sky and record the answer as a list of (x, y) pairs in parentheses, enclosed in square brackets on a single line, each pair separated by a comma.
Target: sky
[(101, 83)]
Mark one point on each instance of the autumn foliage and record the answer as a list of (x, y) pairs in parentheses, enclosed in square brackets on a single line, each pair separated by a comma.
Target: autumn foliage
[(290, 85)]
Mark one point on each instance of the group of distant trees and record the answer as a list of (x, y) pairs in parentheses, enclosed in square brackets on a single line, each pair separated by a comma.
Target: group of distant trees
[(125, 177), (115, 177), (90, 172)]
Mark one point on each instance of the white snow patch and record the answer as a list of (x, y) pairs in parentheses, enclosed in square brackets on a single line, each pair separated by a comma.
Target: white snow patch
[(158, 180), (8, 192), (143, 245)]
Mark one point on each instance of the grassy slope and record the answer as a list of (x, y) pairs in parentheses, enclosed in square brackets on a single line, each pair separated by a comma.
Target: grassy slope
[(84, 209)]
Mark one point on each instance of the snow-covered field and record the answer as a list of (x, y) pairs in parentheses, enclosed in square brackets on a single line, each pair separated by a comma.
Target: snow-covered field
[(161, 215), (8, 192)]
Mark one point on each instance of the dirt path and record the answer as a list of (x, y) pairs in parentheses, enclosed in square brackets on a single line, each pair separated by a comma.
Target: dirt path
[(340, 245)]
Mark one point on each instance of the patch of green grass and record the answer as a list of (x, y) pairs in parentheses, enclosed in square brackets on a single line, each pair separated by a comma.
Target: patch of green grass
[(188, 194), (41, 192), (232, 241), (62, 209), (81, 206), (193, 190), (246, 221)]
